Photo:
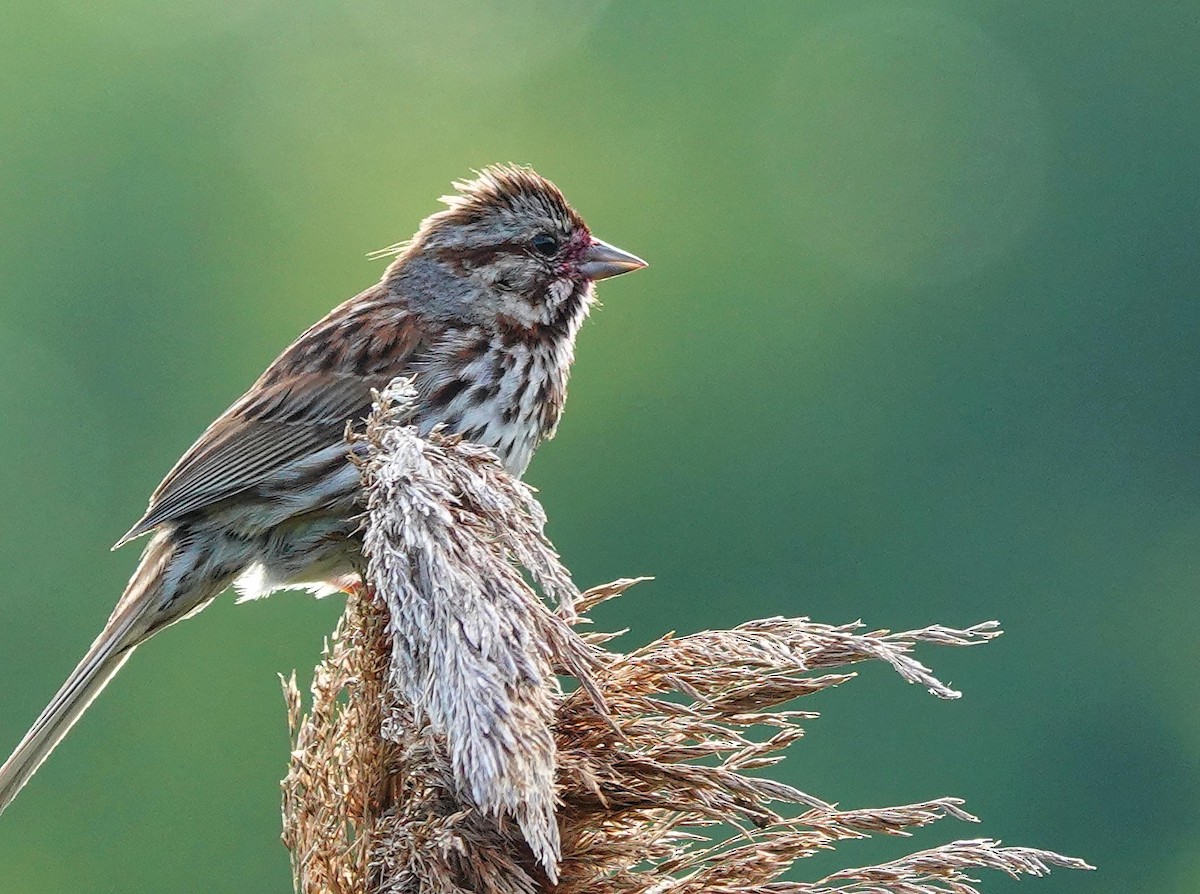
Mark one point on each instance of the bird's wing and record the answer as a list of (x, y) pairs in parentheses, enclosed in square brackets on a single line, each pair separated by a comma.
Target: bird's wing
[(298, 407)]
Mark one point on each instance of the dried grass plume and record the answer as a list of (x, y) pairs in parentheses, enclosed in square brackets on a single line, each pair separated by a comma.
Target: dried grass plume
[(442, 754)]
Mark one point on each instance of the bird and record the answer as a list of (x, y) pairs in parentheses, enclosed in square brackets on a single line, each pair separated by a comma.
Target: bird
[(481, 308)]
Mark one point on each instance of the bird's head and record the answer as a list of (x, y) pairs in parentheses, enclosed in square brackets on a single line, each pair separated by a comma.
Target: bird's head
[(508, 247)]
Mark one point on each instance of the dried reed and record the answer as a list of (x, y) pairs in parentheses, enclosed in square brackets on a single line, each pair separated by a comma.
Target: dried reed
[(442, 754)]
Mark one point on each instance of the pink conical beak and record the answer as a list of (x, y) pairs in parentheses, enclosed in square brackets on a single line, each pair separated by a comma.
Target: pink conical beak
[(603, 260)]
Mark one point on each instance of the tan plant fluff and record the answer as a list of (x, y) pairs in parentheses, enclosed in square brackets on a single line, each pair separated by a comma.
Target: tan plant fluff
[(441, 754)]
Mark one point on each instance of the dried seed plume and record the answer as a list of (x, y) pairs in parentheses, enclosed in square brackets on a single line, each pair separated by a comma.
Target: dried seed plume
[(441, 754)]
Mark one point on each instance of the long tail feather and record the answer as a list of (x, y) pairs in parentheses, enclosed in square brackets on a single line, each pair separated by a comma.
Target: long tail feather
[(85, 683), (130, 624)]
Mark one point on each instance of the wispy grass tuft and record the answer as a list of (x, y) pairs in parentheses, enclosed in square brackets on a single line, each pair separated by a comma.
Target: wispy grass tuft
[(441, 754)]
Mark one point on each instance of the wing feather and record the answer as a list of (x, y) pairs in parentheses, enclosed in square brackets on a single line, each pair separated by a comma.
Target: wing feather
[(287, 415)]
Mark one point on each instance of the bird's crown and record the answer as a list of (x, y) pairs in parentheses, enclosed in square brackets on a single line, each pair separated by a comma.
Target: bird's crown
[(507, 187)]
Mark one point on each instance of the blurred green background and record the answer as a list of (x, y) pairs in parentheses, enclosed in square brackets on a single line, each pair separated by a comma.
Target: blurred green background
[(918, 344)]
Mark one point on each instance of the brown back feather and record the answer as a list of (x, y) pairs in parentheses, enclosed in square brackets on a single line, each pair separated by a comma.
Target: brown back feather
[(301, 404)]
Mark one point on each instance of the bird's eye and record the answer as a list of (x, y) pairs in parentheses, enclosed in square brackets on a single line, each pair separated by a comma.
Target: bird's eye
[(544, 244)]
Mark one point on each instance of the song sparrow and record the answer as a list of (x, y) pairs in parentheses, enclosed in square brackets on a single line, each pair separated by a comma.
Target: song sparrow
[(481, 306)]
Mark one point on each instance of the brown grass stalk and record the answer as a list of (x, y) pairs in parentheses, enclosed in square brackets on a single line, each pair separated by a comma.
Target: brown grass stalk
[(441, 753)]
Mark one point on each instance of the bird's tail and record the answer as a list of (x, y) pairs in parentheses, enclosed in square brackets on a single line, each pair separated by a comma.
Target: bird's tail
[(131, 623)]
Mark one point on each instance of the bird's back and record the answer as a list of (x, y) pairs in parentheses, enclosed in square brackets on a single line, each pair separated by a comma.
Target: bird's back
[(495, 386)]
